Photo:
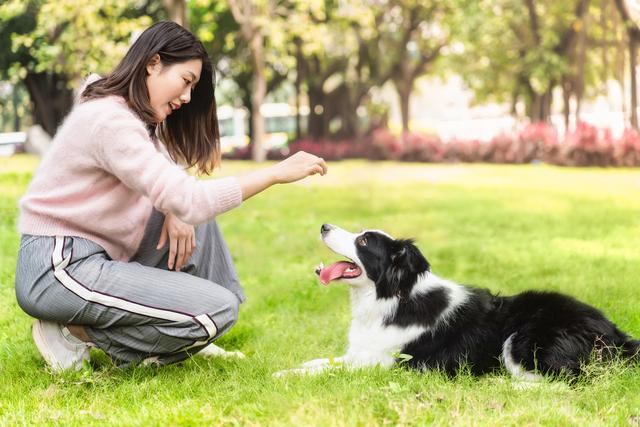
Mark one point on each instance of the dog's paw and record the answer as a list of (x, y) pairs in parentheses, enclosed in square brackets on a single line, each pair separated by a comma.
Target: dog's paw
[(316, 362), (311, 370), (288, 372), (326, 362), (213, 350)]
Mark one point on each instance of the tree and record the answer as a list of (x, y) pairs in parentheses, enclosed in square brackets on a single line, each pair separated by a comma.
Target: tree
[(54, 44), (48, 90), (633, 33), (251, 16), (177, 11), (413, 33), (340, 62), (354, 46), (521, 50)]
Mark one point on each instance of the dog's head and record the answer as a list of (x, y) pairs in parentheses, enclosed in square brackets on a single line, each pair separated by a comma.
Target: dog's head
[(374, 259)]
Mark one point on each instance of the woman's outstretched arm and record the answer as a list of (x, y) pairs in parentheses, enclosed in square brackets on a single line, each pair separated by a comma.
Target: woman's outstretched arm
[(294, 168)]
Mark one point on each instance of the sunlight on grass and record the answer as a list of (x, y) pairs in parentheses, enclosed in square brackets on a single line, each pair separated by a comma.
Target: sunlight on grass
[(508, 228)]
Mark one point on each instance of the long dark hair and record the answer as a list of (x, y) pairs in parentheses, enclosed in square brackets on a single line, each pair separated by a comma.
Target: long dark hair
[(191, 133)]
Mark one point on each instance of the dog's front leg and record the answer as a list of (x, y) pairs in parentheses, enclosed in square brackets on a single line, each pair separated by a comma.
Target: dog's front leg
[(314, 366), (325, 362)]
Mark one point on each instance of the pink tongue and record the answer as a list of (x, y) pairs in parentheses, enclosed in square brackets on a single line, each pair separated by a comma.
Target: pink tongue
[(334, 271)]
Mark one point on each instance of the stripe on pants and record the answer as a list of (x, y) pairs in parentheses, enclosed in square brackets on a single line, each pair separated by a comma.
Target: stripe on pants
[(60, 263)]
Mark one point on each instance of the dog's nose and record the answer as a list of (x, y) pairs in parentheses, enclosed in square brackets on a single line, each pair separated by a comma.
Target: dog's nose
[(325, 229)]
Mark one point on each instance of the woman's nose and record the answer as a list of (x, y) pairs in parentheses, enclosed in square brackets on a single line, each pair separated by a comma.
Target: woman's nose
[(186, 97)]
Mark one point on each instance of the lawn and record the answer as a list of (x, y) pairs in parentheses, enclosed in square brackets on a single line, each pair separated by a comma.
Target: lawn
[(508, 228)]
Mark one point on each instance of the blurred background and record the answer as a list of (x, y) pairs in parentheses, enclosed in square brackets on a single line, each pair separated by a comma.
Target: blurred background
[(507, 81)]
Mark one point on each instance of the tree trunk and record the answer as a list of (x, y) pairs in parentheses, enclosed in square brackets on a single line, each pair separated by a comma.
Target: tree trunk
[(298, 83), (316, 126), (633, 32), (566, 100), (298, 117), (258, 152), (539, 109), (582, 60), (548, 101), (350, 123), (633, 52), (248, 18), (535, 109), (51, 99), (604, 13), (16, 116), (404, 94), (342, 104), (177, 11)]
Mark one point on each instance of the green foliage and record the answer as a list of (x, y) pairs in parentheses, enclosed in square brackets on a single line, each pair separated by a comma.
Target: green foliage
[(70, 37), (508, 228), (502, 51), (346, 47), (16, 17)]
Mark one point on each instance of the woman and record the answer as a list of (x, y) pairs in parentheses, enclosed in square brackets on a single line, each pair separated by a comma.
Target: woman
[(95, 267)]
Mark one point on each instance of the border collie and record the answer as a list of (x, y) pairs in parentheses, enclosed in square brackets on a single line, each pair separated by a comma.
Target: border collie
[(402, 311)]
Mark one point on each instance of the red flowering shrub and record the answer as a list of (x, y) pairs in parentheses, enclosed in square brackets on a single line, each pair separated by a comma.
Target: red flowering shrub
[(329, 150), (417, 147), (381, 144), (586, 146), (499, 149), (459, 150), (627, 149), (538, 141), (238, 153)]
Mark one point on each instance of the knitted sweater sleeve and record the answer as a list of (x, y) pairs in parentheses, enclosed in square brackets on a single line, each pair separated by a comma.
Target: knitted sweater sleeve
[(124, 149)]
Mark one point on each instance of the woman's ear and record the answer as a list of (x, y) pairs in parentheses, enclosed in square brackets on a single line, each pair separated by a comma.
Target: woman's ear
[(154, 65)]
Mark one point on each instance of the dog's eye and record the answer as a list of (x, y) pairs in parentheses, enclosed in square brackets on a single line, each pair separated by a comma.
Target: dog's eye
[(361, 241)]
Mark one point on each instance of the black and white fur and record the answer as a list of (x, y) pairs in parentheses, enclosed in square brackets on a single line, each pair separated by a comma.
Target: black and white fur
[(399, 307)]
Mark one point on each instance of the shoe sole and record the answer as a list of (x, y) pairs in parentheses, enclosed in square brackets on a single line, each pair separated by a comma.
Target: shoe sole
[(43, 348)]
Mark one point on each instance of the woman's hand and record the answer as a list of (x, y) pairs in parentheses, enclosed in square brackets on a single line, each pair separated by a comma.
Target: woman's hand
[(182, 241), (298, 166), (293, 168)]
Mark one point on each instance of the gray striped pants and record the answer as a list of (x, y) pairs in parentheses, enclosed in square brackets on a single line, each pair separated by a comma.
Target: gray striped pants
[(138, 309)]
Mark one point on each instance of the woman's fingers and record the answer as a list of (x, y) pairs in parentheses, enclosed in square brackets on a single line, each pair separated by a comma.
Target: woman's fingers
[(323, 165), (182, 249), (316, 169), (163, 237), (186, 246), (315, 164), (319, 166), (173, 250), (298, 166)]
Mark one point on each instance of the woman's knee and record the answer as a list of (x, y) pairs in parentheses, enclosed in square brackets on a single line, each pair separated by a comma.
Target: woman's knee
[(223, 309)]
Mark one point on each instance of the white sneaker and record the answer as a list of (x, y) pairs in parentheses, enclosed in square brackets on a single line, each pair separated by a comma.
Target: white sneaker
[(213, 350), (58, 347)]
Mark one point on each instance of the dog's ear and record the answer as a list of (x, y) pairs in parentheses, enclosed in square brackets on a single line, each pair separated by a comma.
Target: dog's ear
[(406, 264), (407, 255)]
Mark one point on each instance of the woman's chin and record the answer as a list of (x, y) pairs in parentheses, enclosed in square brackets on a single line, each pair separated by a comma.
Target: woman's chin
[(160, 117)]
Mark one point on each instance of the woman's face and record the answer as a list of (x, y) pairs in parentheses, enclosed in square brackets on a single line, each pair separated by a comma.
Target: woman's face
[(170, 86)]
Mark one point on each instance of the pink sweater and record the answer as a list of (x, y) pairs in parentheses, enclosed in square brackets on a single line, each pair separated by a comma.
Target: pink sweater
[(102, 176)]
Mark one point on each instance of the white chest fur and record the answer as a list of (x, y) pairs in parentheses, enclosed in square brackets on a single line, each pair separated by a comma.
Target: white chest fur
[(370, 340)]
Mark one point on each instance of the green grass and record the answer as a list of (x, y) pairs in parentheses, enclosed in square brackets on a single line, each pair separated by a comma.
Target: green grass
[(508, 228)]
